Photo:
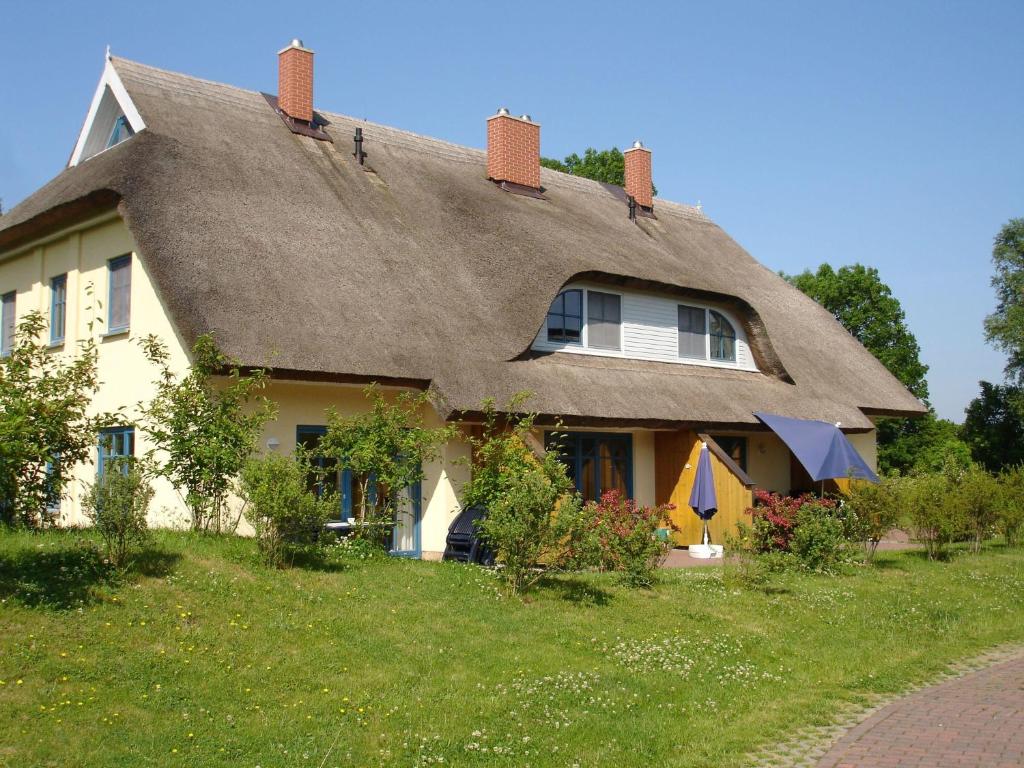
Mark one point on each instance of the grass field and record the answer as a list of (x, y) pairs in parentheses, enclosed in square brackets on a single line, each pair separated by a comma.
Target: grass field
[(203, 658)]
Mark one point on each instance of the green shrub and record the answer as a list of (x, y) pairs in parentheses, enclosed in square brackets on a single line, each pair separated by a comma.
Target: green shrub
[(977, 494), (287, 516), (932, 511), (535, 520), (873, 509), (819, 539), (117, 504), (1010, 510)]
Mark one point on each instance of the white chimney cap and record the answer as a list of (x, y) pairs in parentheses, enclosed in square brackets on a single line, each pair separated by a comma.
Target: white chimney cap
[(503, 111), (527, 118), (638, 144)]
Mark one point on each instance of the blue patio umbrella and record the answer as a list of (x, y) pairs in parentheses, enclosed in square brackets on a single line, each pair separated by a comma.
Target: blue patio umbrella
[(702, 498)]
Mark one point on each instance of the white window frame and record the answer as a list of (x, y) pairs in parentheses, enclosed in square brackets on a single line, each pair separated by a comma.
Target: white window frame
[(737, 338), (585, 336), (109, 81)]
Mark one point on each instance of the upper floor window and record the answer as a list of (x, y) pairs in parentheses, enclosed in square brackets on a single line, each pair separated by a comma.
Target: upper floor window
[(122, 130), (565, 317), (723, 338), (705, 334), (7, 324), (119, 301), (604, 320), (58, 308)]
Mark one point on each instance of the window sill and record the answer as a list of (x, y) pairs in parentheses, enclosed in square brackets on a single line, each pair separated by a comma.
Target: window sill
[(57, 344), (114, 333)]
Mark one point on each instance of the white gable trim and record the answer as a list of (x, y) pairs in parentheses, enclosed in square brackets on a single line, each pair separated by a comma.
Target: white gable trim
[(109, 82)]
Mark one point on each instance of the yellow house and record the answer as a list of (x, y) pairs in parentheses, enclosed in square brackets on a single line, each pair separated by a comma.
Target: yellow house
[(340, 252)]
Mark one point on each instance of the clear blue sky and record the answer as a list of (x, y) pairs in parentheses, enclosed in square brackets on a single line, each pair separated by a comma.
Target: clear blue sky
[(889, 133)]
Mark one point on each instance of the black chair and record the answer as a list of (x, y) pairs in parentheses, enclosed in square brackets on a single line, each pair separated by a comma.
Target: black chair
[(463, 543)]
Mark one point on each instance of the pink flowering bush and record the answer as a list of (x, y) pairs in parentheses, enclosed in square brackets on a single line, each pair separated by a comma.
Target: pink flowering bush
[(627, 536)]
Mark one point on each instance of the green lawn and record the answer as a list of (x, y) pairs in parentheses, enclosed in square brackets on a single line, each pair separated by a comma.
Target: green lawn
[(206, 659)]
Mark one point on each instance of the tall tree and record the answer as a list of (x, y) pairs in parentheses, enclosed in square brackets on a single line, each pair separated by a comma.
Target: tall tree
[(994, 427), (607, 165), (1004, 328), (857, 298)]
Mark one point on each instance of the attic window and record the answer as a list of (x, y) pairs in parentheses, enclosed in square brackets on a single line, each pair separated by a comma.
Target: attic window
[(121, 131)]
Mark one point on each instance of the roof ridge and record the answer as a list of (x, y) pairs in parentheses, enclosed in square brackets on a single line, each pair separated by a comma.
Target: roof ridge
[(423, 142)]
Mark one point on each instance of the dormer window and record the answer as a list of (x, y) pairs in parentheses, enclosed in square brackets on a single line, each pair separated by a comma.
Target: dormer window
[(121, 131), (605, 321)]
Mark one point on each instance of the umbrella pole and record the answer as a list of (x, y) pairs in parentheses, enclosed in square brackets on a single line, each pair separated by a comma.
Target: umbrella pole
[(707, 540)]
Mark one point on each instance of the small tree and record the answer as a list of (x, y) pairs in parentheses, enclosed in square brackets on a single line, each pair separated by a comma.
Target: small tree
[(287, 515), (933, 512), (45, 424), (1011, 504), (203, 425), (385, 450), (977, 496), (117, 504), (535, 521), (875, 506)]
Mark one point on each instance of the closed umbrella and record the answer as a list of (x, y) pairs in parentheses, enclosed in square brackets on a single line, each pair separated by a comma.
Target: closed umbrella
[(702, 497)]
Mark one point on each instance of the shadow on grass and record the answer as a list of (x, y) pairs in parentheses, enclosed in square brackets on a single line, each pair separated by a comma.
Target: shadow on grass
[(576, 591), (69, 577)]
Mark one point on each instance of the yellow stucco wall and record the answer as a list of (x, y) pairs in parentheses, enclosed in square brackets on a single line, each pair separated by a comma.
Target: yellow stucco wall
[(126, 377)]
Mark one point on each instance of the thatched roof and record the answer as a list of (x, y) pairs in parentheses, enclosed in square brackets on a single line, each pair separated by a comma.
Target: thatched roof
[(423, 270)]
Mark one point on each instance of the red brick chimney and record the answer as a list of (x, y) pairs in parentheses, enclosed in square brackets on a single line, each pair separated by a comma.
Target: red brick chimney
[(513, 149), (295, 81), (638, 174)]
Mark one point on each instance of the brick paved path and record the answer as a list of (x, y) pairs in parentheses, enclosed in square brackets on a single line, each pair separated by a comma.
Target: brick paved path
[(976, 720)]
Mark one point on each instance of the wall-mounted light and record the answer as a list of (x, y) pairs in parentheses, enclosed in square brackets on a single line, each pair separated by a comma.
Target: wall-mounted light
[(273, 443)]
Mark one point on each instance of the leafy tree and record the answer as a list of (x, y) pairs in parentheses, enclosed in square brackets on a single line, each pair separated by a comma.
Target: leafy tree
[(45, 424), (865, 306), (607, 165), (1005, 327), (203, 425), (385, 450), (534, 517), (994, 426)]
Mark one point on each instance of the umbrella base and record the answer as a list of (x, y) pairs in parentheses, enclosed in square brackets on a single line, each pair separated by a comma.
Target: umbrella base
[(704, 551)]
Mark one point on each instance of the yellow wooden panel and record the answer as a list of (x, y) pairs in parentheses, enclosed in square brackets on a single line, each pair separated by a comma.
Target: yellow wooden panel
[(674, 482)]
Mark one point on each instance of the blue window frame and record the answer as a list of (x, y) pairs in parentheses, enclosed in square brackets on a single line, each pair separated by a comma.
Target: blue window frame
[(58, 307), (122, 130), (565, 317), (7, 323), (119, 293), (53, 471), (597, 462), (115, 443)]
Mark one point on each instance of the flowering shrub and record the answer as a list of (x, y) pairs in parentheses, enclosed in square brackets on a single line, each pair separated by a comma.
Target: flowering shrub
[(774, 519), (627, 537), (817, 531)]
